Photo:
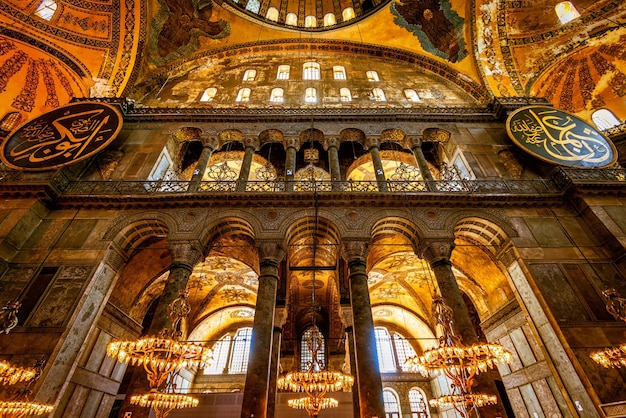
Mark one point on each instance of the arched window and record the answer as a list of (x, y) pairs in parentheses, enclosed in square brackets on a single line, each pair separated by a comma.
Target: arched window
[(221, 349), (417, 401), (604, 119), (10, 121), (412, 95), (46, 9), (283, 72), (566, 12), (345, 95), (329, 19), (240, 351), (310, 95), (253, 6), (277, 95), (208, 94), (378, 95), (310, 21), (392, 405), (393, 350), (249, 75), (291, 19), (371, 76), (272, 14), (311, 71), (305, 350), (347, 14), (339, 72), (243, 95)]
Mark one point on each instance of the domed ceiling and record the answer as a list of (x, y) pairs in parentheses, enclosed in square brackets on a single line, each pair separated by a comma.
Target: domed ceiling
[(484, 48)]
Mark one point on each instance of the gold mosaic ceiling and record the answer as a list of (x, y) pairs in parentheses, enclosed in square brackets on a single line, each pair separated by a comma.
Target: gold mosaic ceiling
[(494, 47)]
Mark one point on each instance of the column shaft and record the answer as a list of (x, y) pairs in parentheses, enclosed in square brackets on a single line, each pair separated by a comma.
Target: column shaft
[(176, 281), (201, 166), (427, 175), (244, 173), (378, 168), (335, 170), (369, 382), (257, 377), (355, 389), (272, 390), (290, 167)]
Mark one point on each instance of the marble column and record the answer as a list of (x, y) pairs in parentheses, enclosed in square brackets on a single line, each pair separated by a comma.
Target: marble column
[(368, 372), (208, 146), (244, 173), (280, 315), (438, 253), (290, 163), (255, 397), (373, 148), (346, 316), (332, 145), (416, 146)]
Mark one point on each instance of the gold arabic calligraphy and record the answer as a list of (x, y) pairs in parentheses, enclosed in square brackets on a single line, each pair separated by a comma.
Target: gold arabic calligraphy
[(68, 137), (563, 137)]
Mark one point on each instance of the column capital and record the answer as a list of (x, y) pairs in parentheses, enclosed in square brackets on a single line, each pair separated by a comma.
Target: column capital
[(345, 312), (251, 142), (436, 250), (210, 142), (270, 250), (280, 317), (185, 253), (331, 142), (415, 141), (354, 249), (372, 142), (291, 142)]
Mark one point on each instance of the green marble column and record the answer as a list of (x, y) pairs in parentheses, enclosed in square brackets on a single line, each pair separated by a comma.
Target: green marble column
[(209, 146), (279, 320), (378, 164), (244, 173), (427, 175), (255, 397), (333, 162), (290, 165), (368, 372)]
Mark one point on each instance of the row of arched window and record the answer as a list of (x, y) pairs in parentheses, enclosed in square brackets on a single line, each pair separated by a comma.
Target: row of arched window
[(310, 95), (310, 71), (291, 19)]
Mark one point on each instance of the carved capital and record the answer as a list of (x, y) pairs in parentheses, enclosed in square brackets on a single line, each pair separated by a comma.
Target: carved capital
[(185, 253), (331, 142), (292, 142), (437, 251), (354, 249), (280, 317), (251, 142), (372, 142), (270, 249), (414, 141), (210, 142), (345, 313)]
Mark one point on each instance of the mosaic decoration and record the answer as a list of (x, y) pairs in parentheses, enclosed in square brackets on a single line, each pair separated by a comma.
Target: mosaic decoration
[(26, 99), (235, 295), (559, 138), (438, 27), (179, 24), (62, 137)]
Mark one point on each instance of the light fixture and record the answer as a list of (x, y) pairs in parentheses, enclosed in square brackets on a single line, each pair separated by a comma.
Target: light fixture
[(8, 316), (164, 403), (10, 375), (20, 404), (457, 362), (162, 357), (613, 357), (315, 382)]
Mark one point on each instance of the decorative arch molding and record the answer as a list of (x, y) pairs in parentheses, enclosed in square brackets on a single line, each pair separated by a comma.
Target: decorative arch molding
[(227, 225), (205, 326), (494, 217), (137, 232), (146, 296), (431, 66), (125, 220)]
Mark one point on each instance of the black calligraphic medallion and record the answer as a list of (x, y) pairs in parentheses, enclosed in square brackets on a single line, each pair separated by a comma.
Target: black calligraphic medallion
[(62, 136), (560, 138)]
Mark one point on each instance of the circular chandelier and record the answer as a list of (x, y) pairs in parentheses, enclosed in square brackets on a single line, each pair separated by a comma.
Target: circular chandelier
[(10, 375), (164, 403), (315, 381), (459, 363), (611, 357), (313, 406)]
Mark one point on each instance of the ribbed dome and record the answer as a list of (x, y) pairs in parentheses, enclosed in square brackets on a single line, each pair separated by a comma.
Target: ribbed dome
[(309, 15)]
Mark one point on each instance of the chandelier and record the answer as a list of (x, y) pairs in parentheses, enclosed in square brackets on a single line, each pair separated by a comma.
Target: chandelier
[(315, 381), (457, 362), (613, 357), (161, 357), (19, 404), (10, 375)]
